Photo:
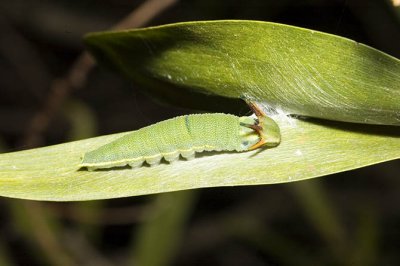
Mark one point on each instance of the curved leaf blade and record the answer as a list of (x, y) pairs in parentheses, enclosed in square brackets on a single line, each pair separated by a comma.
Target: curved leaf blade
[(307, 150), (301, 71)]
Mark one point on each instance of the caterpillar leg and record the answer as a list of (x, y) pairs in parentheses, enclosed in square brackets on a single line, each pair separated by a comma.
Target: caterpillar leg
[(188, 154)]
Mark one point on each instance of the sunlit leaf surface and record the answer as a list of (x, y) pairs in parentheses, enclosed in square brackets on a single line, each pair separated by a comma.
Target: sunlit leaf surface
[(307, 150)]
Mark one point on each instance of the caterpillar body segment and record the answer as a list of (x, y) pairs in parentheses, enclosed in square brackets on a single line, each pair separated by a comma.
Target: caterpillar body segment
[(184, 136)]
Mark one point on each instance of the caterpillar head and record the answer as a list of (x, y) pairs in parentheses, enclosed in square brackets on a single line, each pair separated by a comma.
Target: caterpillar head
[(269, 132), (259, 132)]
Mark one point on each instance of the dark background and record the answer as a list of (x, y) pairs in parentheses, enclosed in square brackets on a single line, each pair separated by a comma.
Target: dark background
[(351, 218)]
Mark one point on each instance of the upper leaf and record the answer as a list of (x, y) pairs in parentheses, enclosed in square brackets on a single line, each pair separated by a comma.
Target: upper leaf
[(301, 71)]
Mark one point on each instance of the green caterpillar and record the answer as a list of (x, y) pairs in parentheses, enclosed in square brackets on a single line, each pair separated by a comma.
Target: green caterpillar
[(185, 135)]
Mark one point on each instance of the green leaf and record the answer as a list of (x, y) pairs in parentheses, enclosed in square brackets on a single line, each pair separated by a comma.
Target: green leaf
[(308, 149), (301, 71), (296, 70)]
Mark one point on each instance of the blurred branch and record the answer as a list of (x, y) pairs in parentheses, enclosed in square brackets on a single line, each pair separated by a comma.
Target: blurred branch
[(24, 59), (77, 76), (44, 235), (144, 13), (35, 224)]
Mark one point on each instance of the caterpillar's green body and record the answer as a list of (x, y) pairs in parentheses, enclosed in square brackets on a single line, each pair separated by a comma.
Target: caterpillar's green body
[(183, 135)]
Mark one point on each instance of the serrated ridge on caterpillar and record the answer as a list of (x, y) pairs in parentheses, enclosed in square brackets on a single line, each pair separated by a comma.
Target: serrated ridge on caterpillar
[(144, 158)]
